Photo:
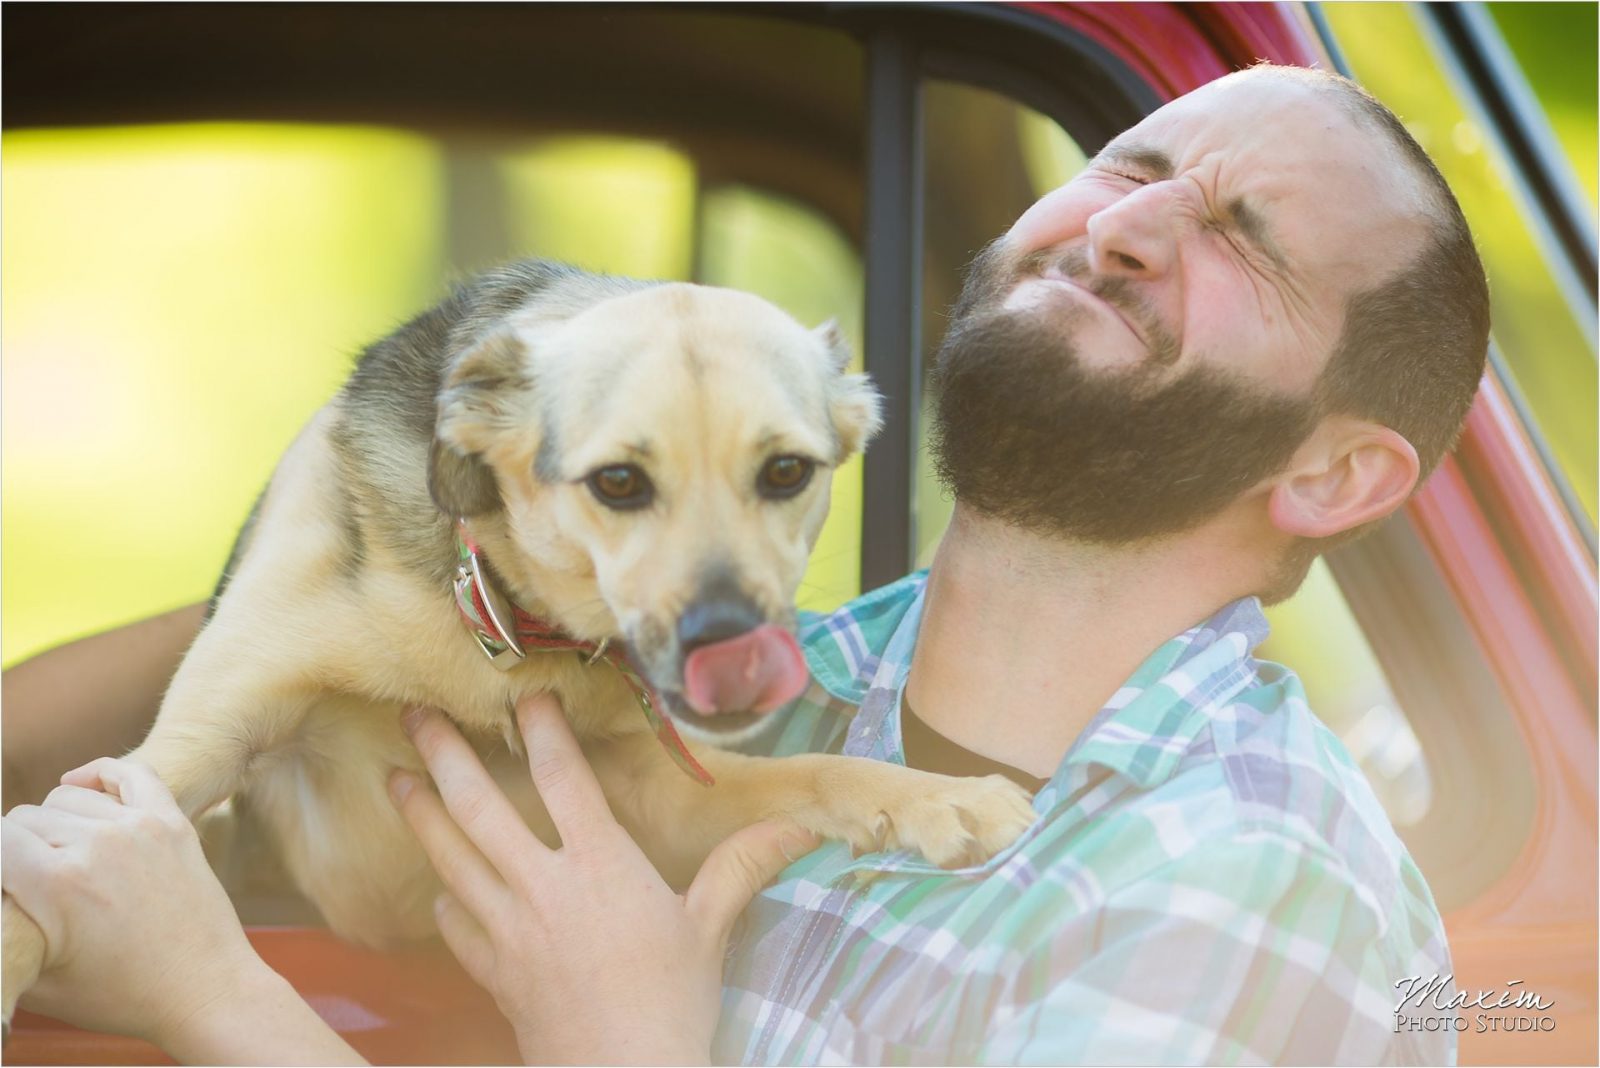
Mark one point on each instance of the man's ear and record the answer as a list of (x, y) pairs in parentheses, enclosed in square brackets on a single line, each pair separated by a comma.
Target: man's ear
[(1348, 473), (485, 387), (854, 403)]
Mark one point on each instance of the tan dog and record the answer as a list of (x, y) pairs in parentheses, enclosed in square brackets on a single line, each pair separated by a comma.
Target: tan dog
[(636, 463)]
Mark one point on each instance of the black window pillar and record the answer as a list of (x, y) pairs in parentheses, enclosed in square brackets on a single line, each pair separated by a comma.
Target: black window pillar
[(894, 301)]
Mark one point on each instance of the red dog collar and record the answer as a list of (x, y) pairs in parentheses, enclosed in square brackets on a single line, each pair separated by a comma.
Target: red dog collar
[(505, 632)]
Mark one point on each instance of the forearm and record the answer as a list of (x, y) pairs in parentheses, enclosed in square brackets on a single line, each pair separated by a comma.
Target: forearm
[(260, 1021), (93, 697)]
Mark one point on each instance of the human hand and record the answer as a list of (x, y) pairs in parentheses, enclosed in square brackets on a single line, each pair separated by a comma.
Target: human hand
[(587, 951), (140, 937)]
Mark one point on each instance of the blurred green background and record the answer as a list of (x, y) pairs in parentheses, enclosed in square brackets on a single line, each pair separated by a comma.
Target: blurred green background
[(179, 299)]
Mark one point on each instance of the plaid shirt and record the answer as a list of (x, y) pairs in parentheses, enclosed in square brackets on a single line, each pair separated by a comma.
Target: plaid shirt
[(1209, 880)]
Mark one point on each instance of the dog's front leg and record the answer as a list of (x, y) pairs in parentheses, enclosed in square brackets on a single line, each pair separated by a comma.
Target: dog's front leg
[(954, 822)]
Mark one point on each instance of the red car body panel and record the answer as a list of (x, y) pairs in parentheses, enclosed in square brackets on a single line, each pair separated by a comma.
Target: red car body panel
[(410, 1007), (1496, 529)]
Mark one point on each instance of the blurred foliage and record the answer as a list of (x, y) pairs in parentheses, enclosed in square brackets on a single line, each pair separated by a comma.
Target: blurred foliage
[(1555, 44), (604, 204), (1550, 351), (180, 299)]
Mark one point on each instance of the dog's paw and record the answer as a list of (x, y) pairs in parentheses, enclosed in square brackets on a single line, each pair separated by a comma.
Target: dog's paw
[(958, 824)]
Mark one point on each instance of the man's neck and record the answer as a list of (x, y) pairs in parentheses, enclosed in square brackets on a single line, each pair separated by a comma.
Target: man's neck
[(1024, 638)]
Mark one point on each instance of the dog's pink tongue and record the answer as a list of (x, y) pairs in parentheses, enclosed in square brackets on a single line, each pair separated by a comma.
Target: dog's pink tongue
[(756, 672)]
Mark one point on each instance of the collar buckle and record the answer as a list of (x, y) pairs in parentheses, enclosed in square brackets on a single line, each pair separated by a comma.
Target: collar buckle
[(489, 617), (493, 621)]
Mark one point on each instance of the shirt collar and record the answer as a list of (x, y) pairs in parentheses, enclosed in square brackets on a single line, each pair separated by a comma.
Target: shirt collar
[(1143, 731), (1153, 720)]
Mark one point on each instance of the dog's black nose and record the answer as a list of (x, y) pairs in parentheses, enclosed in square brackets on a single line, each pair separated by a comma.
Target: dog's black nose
[(716, 619)]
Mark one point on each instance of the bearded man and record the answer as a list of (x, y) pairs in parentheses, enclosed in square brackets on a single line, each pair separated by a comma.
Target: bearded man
[(1242, 335)]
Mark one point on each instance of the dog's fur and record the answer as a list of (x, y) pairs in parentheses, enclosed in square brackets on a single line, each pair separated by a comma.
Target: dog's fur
[(337, 610)]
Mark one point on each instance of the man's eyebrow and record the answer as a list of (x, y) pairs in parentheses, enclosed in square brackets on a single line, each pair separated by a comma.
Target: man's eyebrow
[(1151, 163), (1253, 228)]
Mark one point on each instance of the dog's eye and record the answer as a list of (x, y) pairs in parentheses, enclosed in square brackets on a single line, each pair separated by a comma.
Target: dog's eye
[(784, 476), (621, 486)]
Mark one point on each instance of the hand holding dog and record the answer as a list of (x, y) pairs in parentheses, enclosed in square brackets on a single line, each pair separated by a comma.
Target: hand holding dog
[(141, 938), (588, 952)]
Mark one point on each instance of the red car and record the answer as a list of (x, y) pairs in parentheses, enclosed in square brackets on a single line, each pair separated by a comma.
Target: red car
[(896, 125)]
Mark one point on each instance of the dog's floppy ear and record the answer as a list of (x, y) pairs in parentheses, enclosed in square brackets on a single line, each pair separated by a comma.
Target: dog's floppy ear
[(460, 485), (484, 387), (853, 401)]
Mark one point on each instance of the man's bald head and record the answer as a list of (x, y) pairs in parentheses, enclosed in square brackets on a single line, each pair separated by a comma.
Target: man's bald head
[(1413, 348)]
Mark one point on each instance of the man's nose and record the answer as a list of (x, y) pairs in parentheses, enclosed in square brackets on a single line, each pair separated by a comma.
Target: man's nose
[(1135, 237)]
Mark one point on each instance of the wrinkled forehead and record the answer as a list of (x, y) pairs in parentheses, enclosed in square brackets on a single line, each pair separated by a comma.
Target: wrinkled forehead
[(687, 363)]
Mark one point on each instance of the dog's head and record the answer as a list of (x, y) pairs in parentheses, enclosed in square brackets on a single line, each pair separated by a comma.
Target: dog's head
[(656, 468)]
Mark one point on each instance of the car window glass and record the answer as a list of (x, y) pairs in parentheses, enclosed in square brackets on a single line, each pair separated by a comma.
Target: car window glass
[(178, 300)]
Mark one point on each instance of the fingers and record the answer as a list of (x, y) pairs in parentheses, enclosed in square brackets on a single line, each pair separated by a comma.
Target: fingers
[(561, 772), (28, 868), (738, 869), (471, 795), (466, 938), (83, 802), (25, 863), (459, 863), (88, 776), (54, 826), (135, 784)]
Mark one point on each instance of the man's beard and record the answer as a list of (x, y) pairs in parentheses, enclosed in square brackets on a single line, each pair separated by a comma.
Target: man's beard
[(1024, 432)]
